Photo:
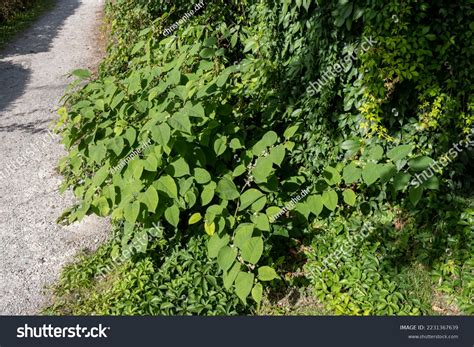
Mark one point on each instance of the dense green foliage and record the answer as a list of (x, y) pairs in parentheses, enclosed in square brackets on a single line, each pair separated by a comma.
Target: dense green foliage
[(237, 133)]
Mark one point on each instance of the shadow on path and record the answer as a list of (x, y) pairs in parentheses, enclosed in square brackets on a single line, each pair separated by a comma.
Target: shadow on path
[(15, 73)]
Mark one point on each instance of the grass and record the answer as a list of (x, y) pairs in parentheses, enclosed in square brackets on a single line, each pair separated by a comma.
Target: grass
[(22, 20)]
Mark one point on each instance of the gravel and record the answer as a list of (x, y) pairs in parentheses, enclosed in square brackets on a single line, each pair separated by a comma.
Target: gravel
[(34, 71)]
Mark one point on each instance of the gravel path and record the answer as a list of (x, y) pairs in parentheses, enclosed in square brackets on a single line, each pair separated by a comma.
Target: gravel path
[(33, 77)]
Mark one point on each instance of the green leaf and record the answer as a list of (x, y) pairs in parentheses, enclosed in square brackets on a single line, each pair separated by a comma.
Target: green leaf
[(399, 152), (180, 122), (252, 250), (103, 206), (172, 215), (387, 171), (179, 168), (375, 153), (249, 197), (257, 293), (415, 195), (161, 134), (330, 199), (420, 163), (131, 212), (400, 181), (351, 173), (370, 173), (432, 183), (167, 185), (226, 257), (277, 154), (202, 176), (100, 176), (130, 135), (207, 53), (332, 176), (82, 73), (140, 241), (117, 145), (349, 197), (229, 277), (266, 273), (226, 189), (150, 198), (243, 233), (216, 243), (220, 145), (262, 169), (243, 285), (196, 217), (291, 131), (210, 229), (315, 204), (208, 193)]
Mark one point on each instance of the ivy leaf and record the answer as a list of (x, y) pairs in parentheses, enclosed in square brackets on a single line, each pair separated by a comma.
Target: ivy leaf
[(226, 189), (226, 257), (252, 250), (150, 199), (243, 285), (330, 199), (172, 215), (349, 197), (266, 273)]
